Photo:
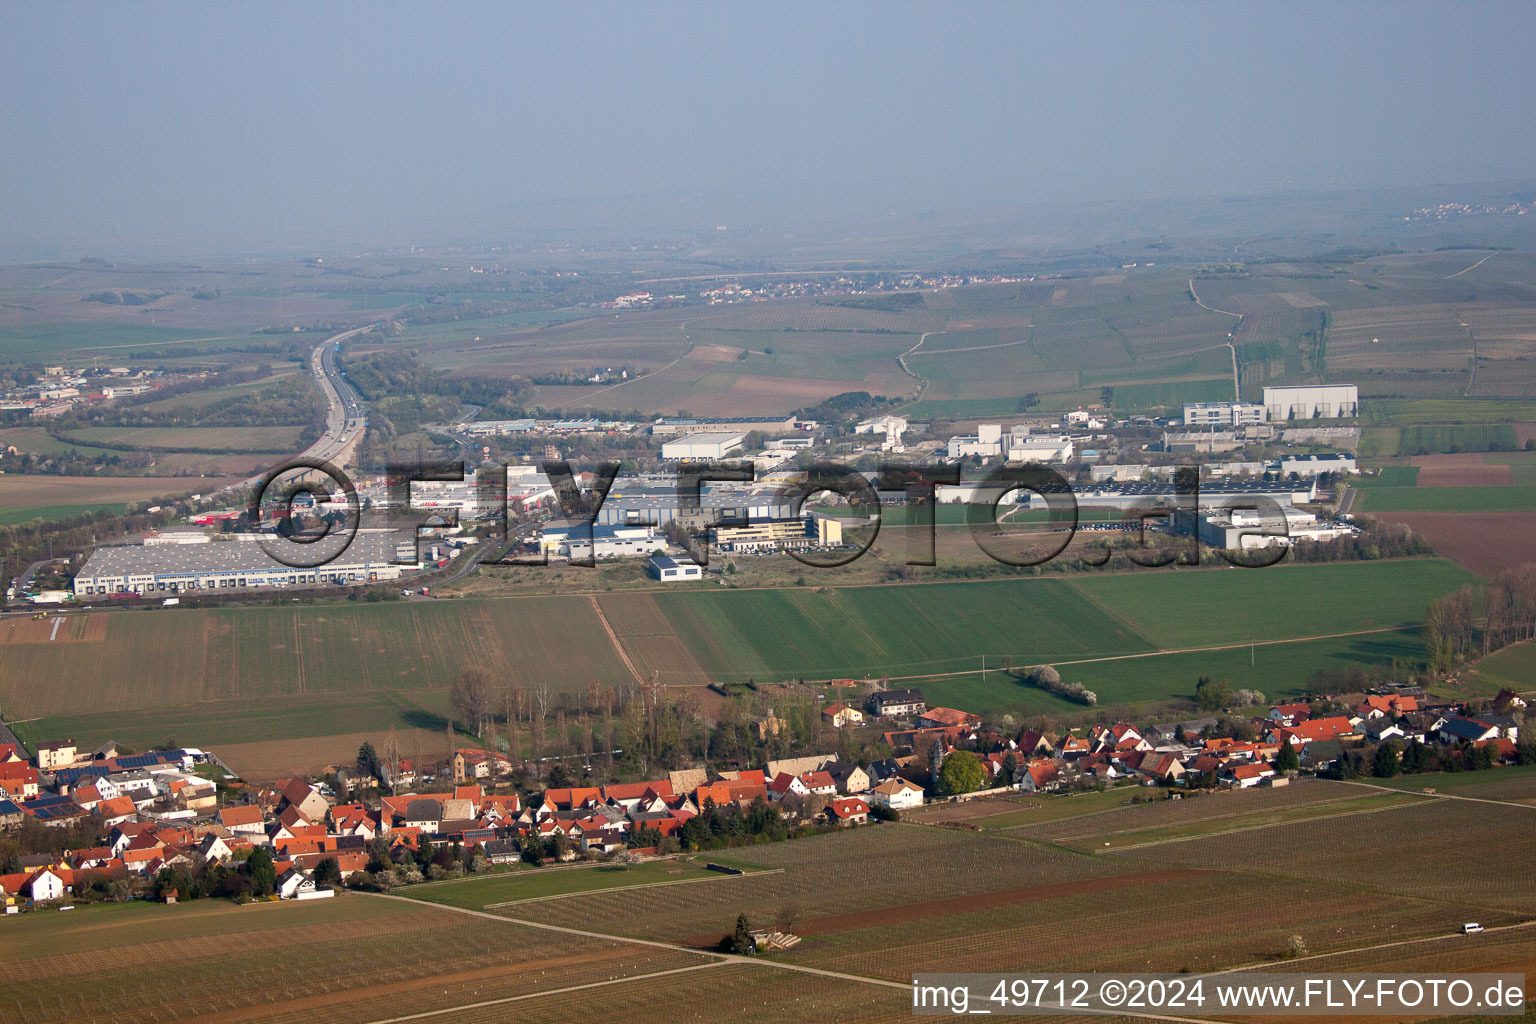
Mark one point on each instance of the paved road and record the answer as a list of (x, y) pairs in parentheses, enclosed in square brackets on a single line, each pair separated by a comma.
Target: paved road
[(344, 420)]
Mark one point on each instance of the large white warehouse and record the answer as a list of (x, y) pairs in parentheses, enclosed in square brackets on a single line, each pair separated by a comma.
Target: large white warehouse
[(1316, 402), (701, 447)]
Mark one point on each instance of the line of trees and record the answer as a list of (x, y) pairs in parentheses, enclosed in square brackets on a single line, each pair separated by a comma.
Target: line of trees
[(1451, 627)]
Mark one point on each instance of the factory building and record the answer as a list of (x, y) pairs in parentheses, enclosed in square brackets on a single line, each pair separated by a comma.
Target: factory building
[(986, 442), (701, 447), (670, 570), (1212, 495), (744, 424), (569, 540), (221, 566), (1314, 465), (1223, 414), (1313, 402), (1247, 529), (780, 535), (663, 506)]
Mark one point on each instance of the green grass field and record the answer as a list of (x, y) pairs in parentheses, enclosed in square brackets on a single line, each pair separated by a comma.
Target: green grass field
[(1511, 668), (1405, 412), (215, 439), (1476, 498), (875, 631), (12, 516), (1202, 609)]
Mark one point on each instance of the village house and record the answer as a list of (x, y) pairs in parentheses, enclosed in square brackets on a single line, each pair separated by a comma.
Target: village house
[(847, 811), (896, 794), (839, 715), (897, 703)]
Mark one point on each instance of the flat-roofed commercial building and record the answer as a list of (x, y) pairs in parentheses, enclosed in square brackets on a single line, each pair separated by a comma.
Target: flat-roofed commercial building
[(701, 447), (780, 535), (1223, 414), (1312, 402), (222, 566)]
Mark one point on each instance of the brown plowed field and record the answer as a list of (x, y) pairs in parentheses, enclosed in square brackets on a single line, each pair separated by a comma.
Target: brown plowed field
[(1484, 542), (1464, 469), (965, 904)]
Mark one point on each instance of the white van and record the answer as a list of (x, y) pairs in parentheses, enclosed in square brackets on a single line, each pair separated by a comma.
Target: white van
[(1471, 928)]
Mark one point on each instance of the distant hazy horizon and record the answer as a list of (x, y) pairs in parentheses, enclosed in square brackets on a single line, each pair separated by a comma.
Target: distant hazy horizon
[(200, 128)]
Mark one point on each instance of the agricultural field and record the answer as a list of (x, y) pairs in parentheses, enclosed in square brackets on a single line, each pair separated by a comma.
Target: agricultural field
[(1484, 542), (1081, 816), (1198, 609), (1511, 668), (306, 672), (209, 439), (525, 884), (1516, 784), (1122, 839), (20, 494), (995, 899), (281, 962), (814, 882)]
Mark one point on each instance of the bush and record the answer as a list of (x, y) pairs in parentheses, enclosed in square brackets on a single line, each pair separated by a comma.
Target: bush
[(1048, 679)]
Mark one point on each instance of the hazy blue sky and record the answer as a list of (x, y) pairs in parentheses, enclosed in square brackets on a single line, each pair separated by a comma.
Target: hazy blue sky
[(259, 124)]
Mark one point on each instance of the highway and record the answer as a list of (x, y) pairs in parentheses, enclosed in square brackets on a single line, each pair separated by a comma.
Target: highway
[(344, 422)]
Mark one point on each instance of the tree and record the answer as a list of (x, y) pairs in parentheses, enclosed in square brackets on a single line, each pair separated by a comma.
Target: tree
[(327, 872), (263, 874), (1296, 946), (1287, 760), (961, 773), (1212, 694), (1386, 763), (741, 942), (368, 761), (470, 696), (1415, 758)]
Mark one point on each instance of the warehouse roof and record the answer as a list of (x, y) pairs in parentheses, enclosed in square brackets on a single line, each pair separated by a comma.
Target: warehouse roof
[(232, 556)]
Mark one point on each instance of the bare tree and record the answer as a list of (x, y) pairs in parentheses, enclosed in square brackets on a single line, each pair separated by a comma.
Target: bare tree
[(392, 758), (470, 696)]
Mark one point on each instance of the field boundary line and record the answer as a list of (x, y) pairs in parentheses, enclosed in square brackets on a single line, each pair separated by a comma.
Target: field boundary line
[(1442, 796), (1327, 802), (901, 360), (1474, 266), (717, 877), (1250, 828), (613, 638), (1367, 949), (547, 992)]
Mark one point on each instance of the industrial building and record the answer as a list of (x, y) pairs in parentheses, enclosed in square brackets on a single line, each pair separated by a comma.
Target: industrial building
[(1015, 446), (744, 424), (701, 447), (1315, 465), (670, 570), (986, 442), (1212, 495), (1185, 442), (234, 564), (1249, 529), (1027, 447), (1312, 402), (780, 535), (569, 539), (1223, 414), (717, 504)]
